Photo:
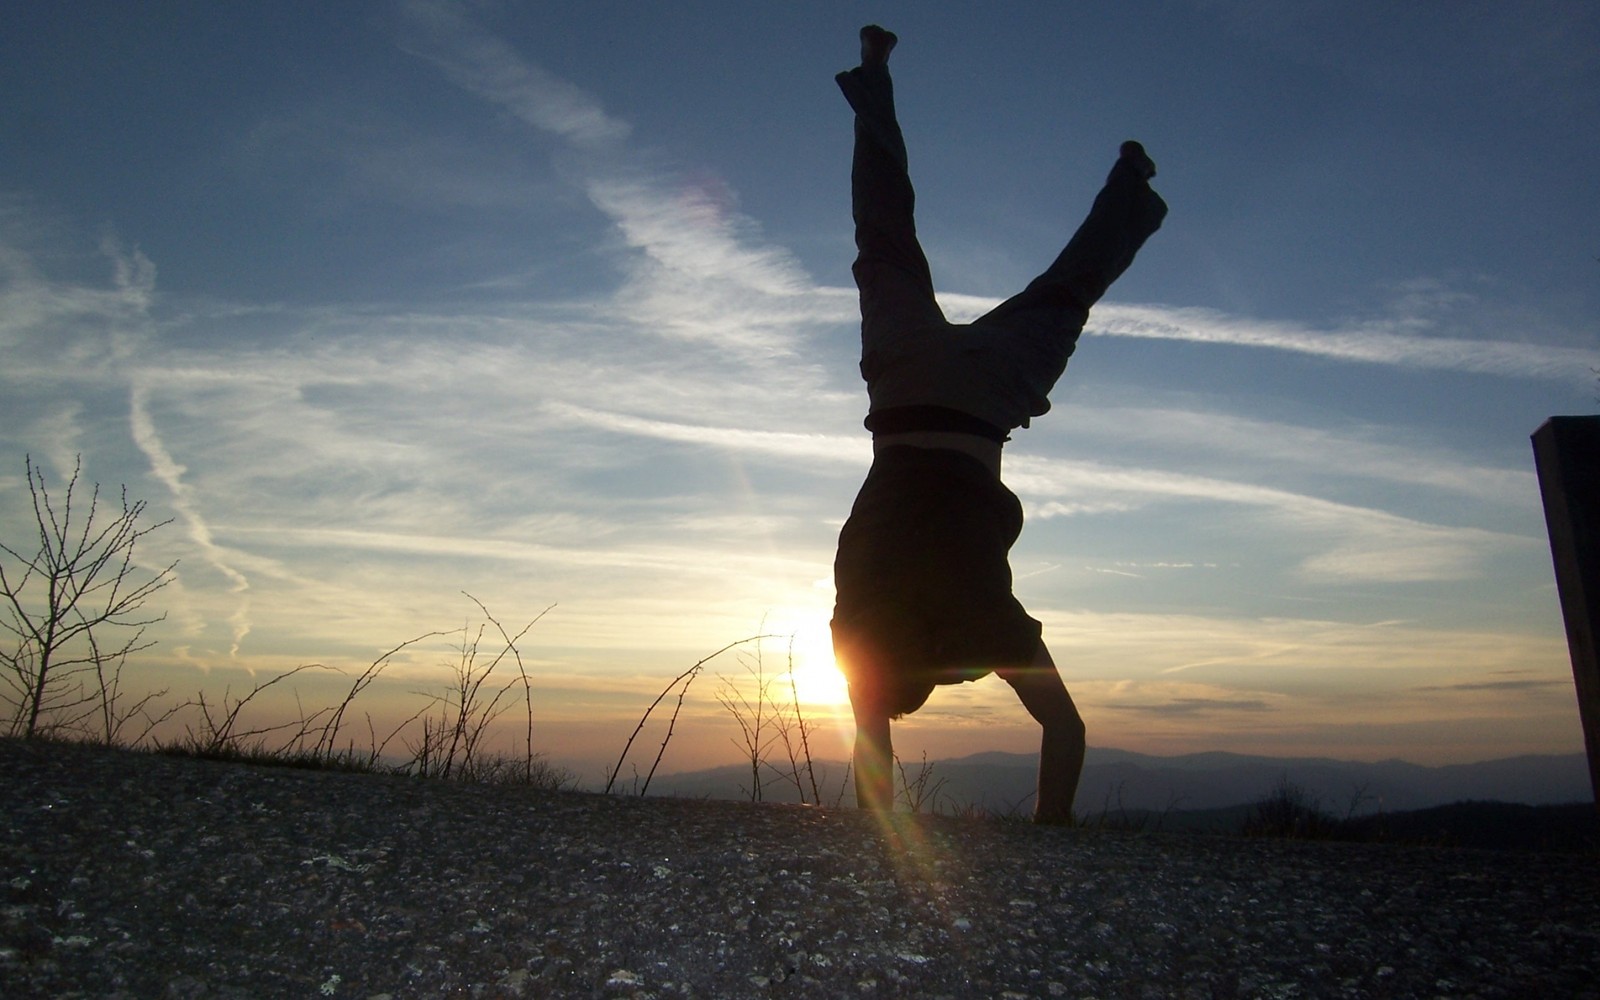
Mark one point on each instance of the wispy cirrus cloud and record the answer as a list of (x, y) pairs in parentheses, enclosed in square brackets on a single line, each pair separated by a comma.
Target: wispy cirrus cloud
[(1523, 685), (1357, 452), (49, 326), (824, 448), (1399, 342), (1352, 542), (1189, 706), (170, 474), (482, 63), (699, 273), (701, 278), (1369, 346)]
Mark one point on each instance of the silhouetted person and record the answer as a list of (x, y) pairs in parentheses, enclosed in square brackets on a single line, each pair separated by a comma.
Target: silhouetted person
[(923, 583)]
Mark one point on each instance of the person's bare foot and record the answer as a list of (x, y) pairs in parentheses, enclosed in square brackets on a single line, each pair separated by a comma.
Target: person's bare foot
[(1132, 154), (876, 44)]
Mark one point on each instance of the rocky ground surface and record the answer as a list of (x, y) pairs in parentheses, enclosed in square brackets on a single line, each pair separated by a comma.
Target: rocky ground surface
[(129, 875)]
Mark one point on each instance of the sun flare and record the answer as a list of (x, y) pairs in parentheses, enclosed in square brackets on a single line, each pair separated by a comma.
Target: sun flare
[(817, 679)]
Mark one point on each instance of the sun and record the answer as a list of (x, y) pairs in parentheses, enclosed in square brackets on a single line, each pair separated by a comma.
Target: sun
[(817, 679)]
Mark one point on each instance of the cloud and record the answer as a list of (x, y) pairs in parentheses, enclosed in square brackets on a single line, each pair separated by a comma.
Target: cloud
[(1396, 342), (379, 155), (693, 234), (1523, 684), (1360, 543), (170, 473), (1142, 677), (701, 277), (1244, 656), (854, 450), (701, 272), (1400, 350), (1361, 452), (477, 61), (1384, 547), (1189, 706), (49, 327)]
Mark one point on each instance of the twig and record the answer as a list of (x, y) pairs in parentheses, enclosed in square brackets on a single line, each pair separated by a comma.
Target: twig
[(612, 779)]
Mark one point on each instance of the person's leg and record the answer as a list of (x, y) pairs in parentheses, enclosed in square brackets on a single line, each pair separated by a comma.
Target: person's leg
[(1125, 213), (896, 289), (1062, 745), (873, 759), (891, 270)]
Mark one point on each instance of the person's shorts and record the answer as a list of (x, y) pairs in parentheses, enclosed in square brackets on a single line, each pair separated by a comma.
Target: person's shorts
[(922, 580)]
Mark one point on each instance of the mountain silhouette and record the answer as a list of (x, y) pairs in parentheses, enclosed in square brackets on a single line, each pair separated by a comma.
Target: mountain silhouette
[(1116, 781)]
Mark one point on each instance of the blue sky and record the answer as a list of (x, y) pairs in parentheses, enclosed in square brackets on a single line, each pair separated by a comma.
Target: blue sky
[(384, 302)]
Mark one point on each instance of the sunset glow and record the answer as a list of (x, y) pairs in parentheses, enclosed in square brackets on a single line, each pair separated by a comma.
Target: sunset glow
[(379, 305), (816, 674)]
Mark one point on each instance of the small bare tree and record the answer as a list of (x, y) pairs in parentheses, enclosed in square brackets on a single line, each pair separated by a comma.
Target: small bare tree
[(74, 613)]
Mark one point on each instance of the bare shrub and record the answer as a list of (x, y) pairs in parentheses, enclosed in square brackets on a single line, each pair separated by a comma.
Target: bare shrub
[(920, 789), (767, 722), (803, 727), (753, 712), (219, 732), (451, 743), (524, 770), (74, 613), (454, 724), (1289, 812), (681, 684)]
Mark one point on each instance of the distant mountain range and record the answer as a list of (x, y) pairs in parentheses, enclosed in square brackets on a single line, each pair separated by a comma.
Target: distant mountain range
[(1122, 782)]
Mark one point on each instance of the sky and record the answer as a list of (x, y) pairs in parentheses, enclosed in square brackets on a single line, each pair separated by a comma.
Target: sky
[(388, 304)]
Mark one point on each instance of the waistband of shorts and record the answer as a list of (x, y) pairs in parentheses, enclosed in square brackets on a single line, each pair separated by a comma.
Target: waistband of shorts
[(903, 419), (892, 459)]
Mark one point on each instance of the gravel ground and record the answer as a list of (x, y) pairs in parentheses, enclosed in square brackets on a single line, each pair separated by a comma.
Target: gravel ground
[(129, 875)]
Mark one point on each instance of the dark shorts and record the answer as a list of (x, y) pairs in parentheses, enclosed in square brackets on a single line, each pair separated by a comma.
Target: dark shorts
[(923, 586)]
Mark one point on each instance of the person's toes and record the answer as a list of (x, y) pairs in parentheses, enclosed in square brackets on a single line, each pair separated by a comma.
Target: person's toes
[(1137, 160), (876, 44)]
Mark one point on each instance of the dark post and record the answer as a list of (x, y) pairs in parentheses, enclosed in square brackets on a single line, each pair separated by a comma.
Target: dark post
[(1566, 451)]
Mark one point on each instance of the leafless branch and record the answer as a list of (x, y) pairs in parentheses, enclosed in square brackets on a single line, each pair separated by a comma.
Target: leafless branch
[(60, 602)]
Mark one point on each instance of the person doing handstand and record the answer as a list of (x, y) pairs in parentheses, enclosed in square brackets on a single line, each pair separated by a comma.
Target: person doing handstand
[(922, 578)]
